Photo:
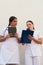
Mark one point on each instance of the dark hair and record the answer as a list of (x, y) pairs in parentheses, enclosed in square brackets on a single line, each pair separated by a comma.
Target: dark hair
[(30, 22), (11, 19)]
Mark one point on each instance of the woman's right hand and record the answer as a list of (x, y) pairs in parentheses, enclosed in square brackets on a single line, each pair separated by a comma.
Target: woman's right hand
[(7, 36)]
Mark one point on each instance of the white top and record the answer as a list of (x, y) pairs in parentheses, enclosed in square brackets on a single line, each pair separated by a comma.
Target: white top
[(9, 49), (33, 49)]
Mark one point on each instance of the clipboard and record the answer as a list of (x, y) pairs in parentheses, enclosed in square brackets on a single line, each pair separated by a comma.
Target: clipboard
[(12, 30), (24, 36)]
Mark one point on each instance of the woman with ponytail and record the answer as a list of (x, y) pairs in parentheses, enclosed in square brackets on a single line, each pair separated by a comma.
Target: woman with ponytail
[(10, 50)]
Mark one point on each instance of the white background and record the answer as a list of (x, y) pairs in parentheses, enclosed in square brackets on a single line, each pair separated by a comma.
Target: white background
[(24, 10)]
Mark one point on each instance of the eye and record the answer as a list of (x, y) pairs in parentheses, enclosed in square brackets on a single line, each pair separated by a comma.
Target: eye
[(29, 24), (15, 21)]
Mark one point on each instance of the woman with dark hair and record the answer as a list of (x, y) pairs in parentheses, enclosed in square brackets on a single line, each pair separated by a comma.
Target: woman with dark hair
[(32, 51), (10, 50)]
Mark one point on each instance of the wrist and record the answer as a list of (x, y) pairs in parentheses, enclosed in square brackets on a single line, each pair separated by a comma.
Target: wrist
[(33, 38)]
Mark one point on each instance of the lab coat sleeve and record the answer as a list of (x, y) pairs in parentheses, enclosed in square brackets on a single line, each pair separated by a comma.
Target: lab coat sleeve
[(39, 35), (3, 32)]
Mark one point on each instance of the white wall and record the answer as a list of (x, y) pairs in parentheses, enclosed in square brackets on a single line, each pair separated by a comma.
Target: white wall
[(23, 10)]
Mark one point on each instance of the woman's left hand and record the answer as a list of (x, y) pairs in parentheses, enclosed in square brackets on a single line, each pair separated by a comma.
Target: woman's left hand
[(38, 41), (30, 37), (16, 35)]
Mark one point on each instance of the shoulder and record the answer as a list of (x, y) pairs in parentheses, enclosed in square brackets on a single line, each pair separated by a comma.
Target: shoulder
[(38, 33), (4, 31)]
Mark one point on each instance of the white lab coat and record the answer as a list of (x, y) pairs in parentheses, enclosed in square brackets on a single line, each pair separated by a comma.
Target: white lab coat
[(33, 51), (9, 50)]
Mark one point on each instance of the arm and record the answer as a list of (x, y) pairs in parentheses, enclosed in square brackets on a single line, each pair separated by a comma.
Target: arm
[(38, 41), (2, 38)]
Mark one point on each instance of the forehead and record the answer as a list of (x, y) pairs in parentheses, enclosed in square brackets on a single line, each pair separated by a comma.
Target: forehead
[(15, 20)]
